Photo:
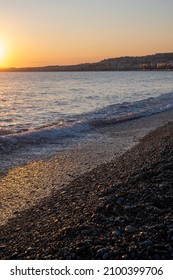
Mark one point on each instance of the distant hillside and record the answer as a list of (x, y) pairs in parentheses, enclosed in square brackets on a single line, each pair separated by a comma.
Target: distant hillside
[(159, 61)]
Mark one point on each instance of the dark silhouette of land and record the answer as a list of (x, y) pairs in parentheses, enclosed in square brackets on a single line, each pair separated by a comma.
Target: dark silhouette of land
[(159, 61)]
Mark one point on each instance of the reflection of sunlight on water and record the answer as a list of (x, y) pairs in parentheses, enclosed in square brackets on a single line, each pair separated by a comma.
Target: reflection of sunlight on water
[(34, 100)]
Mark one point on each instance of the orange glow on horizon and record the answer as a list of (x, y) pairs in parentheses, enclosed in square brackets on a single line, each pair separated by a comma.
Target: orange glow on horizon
[(18, 51), (40, 33), (5, 54), (2, 53), (28, 59)]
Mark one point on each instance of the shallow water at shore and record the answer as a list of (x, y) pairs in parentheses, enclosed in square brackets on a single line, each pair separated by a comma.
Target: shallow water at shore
[(28, 183), (55, 107), (121, 136)]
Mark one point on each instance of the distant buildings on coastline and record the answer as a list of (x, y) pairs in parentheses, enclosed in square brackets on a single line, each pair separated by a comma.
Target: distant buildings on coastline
[(159, 61)]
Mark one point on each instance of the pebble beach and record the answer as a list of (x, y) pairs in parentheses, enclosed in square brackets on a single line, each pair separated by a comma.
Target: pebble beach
[(106, 200)]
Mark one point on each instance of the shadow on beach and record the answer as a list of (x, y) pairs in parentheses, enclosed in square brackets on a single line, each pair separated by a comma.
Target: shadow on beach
[(119, 210)]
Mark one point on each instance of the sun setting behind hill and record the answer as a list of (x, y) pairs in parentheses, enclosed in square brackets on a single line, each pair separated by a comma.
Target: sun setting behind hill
[(82, 83)]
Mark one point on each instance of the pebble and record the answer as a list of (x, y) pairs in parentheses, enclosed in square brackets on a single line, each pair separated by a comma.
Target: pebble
[(156, 210), (116, 233), (160, 252), (88, 241), (78, 231), (2, 247), (130, 229), (160, 226), (170, 231), (119, 200), (98, 247), (85, 232), (127, 207), (146, 243), (118, 221), (106, 256), (171, 252), (14, 255), (101, 252), (29, 249), (150, 250), (170, 226), (125, 257)]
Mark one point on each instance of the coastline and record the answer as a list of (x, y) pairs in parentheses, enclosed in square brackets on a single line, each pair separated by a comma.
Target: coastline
[(156, 62), (27, 180), (108, 195)]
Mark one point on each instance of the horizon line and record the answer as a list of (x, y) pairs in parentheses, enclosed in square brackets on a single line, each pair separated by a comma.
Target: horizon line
[(83, 63)]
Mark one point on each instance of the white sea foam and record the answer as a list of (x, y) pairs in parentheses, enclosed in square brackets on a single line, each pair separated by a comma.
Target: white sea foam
[(82, 124), (45, 107)]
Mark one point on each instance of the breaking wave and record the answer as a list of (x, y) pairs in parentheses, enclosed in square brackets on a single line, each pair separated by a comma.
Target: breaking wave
[(80, 125)]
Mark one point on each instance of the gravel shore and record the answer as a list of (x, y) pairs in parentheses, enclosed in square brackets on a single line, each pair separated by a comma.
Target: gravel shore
[(120, 210), (28, 175)]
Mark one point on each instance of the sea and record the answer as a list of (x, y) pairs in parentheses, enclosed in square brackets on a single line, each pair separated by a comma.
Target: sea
[(66, 107)]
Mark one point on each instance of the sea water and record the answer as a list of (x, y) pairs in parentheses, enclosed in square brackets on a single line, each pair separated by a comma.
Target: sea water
[(44, 107)]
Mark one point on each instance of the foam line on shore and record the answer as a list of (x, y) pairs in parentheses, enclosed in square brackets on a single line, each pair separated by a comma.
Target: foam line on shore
[(25, 185)]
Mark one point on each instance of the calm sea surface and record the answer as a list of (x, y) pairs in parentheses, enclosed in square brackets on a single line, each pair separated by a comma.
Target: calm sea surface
[(45, 106)]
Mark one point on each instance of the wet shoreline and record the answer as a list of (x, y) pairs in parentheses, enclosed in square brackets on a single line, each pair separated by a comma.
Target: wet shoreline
[(120, 209)]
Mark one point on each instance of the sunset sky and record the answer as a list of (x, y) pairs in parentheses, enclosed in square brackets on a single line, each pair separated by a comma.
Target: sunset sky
[(60, 32)]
